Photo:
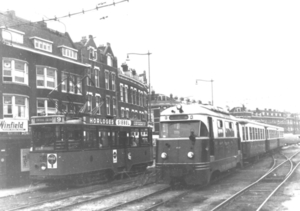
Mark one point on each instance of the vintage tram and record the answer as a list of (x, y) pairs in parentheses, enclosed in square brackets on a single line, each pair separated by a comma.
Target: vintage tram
[(84, 150), (198, 142)]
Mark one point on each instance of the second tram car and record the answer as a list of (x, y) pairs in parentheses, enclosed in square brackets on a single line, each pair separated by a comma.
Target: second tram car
[(83, 150), (198, 142)]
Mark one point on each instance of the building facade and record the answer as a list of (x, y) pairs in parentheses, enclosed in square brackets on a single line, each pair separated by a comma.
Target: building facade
[(289, 121), (132, 96), (43, 72)]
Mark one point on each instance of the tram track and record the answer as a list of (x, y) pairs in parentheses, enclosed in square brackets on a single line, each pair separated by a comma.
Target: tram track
[(132, 183), (255, 195)]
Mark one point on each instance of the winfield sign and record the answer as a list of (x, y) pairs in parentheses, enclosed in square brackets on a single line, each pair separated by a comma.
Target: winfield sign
[(7, 125)]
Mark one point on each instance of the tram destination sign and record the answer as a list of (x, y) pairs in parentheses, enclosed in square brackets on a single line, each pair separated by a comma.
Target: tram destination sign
[(138, 123)]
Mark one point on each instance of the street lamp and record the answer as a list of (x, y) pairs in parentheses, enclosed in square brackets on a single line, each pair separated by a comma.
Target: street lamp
[(149, 94), (212, 90)]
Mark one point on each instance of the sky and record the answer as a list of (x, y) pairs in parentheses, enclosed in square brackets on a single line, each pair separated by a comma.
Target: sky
[(250, 49)]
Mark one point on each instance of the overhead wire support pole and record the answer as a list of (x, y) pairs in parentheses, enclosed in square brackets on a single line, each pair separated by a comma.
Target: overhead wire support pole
[(149, 94), (212, 89)]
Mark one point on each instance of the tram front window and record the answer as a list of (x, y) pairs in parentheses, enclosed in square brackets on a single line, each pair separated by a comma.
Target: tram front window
[(46, 137), (182, 129)]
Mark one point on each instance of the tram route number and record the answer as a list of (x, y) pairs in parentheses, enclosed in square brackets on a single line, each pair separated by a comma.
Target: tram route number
[(51, 161)]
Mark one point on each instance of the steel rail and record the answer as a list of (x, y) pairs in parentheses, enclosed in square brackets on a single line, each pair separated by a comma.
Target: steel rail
[(283, 182), (68, 196), (251, 185)]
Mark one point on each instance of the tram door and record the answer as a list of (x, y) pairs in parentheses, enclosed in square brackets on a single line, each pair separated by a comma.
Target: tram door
[(123, 141), (211, 137)]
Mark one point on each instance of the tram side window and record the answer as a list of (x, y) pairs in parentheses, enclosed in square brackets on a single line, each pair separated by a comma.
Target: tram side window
[(134, 137), (103, 139), (74, 137), (90, 138), (144, 136), (115, 138), (247, 138), (244, 131), (229, 132), (251, 133), (220, 128)]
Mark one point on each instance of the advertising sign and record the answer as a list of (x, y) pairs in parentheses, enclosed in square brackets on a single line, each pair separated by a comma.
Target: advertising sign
[(24, 160), (13, 125), (52, 161), (123, 122), (115, 156)]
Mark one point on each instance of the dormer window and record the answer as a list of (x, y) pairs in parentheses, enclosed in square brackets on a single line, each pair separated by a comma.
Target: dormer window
[(42, 44), (12, 36), (92, 53), (68, 52)]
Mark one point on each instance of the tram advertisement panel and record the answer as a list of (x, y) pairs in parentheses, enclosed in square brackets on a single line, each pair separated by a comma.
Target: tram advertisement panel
[(52, 161)]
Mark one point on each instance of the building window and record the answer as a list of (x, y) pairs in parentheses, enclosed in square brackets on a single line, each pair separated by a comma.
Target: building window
[(135, 97), (126, 93), (98, 105), (46, 107), (106, 79), (121, 92), (145, 99), (113, 81), (15, 71), (72, 84), (92, 54), (12, 35), (127, 113), (46, 77), (89, 77), (109, 61), (68, 52), (64, 78), (131, 95), (114, 107), (78, 85), (107, 105), (122, 112), (42, 44), (97, 84), (15, 106), (89, 102)]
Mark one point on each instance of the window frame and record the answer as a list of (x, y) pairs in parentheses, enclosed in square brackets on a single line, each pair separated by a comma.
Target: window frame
[(14, 72), (46, 78)]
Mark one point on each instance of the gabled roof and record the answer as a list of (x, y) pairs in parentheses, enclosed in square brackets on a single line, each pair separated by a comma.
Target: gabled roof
[(106, 49), (40, 30)]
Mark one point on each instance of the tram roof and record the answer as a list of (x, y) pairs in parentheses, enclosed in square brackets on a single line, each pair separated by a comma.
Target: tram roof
[(197, 109)]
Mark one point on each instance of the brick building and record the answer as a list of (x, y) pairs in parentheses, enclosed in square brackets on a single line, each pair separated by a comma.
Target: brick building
[(44, 73)]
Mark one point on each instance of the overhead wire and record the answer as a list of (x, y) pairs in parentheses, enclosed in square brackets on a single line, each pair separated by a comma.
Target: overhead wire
[(102, 5)]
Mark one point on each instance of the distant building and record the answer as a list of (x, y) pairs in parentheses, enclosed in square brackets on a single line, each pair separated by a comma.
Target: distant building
[(289, 121)]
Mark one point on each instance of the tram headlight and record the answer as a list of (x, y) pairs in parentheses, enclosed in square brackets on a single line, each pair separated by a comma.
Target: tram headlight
[(43, 167), (190, 155), (164, 155)]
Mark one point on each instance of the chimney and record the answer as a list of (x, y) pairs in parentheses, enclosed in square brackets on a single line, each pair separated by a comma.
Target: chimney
[(171, 96), (133, 72), (83, 40), (124, 67), (91, 37), (108, 44), (42, 24)]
